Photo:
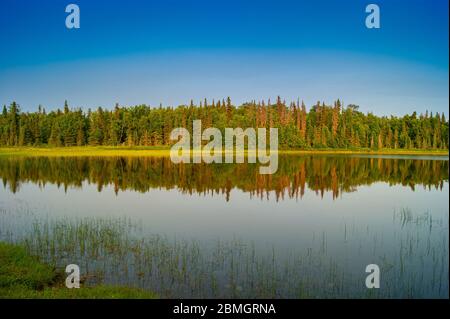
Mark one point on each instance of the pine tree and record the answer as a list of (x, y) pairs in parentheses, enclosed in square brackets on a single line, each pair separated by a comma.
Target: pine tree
[(335, 117), (55, 135), (14, 111), (229, 110), (66, 107)]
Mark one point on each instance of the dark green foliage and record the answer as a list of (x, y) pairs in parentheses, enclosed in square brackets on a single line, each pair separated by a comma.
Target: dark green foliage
[(322, 127)]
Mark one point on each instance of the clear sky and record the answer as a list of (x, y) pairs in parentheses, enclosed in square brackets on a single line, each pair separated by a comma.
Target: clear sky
[(168, 51)]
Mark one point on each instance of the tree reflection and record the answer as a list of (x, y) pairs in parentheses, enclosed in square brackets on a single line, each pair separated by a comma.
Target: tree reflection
[(320, 174)]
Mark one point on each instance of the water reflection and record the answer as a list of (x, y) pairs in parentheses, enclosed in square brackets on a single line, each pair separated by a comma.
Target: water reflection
[(320, 174), (185, 246)]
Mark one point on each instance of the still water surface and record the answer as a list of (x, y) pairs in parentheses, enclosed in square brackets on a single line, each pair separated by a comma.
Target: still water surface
[(307, 231)]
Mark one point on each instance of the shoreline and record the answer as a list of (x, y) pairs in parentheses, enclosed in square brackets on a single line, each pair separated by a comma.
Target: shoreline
[(164, 151)]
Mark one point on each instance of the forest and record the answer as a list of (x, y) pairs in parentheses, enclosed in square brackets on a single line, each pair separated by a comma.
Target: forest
[(322, 126)]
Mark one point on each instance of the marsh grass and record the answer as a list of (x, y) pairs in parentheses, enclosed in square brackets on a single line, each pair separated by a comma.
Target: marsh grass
[(159, 151), (25, 276), (119, 251)]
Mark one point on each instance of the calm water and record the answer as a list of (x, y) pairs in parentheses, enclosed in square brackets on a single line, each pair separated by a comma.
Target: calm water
[(225, 231)]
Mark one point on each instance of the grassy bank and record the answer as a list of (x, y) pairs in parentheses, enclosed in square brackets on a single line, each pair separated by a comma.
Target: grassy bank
[(24, 276), (165, 151)]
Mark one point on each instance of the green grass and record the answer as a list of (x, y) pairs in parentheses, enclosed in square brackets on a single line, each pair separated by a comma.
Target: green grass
[(85, 151), (99, 292), (368, 151), (165, 151), (17, 268), (24, 276)]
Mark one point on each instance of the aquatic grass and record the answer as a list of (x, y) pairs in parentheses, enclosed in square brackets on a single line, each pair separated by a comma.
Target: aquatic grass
[(119, 251), (25, 276)]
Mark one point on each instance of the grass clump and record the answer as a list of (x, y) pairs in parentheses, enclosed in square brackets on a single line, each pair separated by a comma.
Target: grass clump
[(98, 292), (25, 276), (17, 268)]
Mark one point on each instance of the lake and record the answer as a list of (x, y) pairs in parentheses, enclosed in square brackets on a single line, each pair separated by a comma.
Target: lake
[(224, 230)]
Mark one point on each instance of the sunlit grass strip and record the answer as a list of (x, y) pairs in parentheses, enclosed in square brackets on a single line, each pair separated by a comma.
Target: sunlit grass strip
[(142, 151)]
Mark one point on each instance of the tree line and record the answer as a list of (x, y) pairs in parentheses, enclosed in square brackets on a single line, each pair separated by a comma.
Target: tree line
[(322, 126)]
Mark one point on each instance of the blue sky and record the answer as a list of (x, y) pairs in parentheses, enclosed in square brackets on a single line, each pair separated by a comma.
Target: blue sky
[(170, 51)]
